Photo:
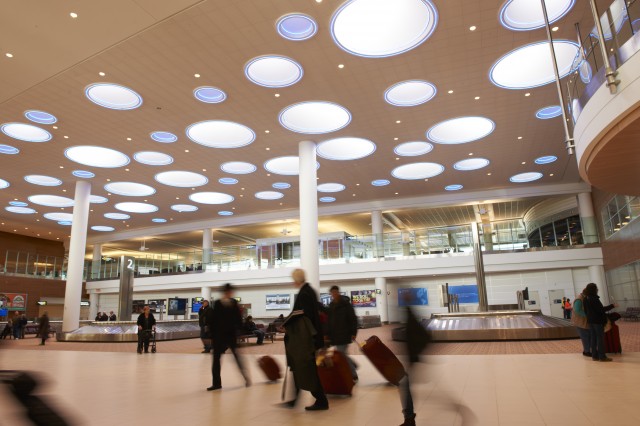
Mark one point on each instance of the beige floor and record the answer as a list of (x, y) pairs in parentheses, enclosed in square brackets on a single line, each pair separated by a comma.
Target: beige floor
[(110, 388)]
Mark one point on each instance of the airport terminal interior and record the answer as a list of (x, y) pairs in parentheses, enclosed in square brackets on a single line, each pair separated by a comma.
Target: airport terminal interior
[(472, 161)]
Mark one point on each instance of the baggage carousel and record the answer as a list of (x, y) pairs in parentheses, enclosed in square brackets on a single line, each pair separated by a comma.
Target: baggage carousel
[(127, 331)]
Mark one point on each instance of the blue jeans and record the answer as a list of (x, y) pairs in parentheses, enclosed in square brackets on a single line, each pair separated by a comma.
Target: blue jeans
[(352, 365), (597, 341), (585, 337)]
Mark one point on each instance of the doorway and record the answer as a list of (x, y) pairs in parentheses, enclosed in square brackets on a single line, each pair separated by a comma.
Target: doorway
[(555, 302)]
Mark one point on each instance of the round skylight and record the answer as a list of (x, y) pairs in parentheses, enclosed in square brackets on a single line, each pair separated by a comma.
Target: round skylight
[(40, 117), (100, 228), (153, 158), (65, 223), (417, 171), (549, 112), (288, 165), (454, 187), (525, 177), (83, 174), (4, 184), (379, 28), (8, 149), (209, 95), (461, 130), (184, 208), (67, 217), (345, 148), (113, 96), (20, 210), (43, 180), (117, 216), (380, 182), (220, 134), (97, 199), (523, 15), (181, 179), (531, 66), (129, 189), (296, 26), (546, 159), (211, 198), (225, 213), (25, 132), (314, 117), (471, 164), (228, 181), (164, 137), (410, 93), (96, 156), (412, 149), (51, 200), (238, 167), (269, 195), (281, 185), (273, 71), (158, 220), (131, 207), (327, 199), (331, 187), (18, 203)]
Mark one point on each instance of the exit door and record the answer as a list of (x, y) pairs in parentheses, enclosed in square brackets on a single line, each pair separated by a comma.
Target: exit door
[(555, 302)]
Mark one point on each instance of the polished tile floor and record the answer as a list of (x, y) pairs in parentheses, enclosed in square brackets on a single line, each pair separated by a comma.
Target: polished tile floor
[(110, 388)]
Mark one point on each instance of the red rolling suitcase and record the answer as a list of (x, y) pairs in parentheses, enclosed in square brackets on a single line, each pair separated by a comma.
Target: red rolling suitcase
[(270, 368), (334, 372), (612, 340), (383, 359)]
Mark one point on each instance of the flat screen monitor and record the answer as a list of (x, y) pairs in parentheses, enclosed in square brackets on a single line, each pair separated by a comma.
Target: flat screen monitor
[(177, 306), (155, 305), (196, 304)]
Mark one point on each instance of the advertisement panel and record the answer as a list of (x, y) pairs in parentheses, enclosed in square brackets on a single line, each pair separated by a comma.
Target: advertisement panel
[(413, 297), (13, 301), (466, 293), (278, 301), (363, 298)]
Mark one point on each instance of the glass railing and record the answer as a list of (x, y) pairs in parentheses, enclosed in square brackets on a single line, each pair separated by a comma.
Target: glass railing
[(35, 265)]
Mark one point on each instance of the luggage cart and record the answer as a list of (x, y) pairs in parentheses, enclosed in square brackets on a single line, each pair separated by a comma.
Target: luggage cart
[(152, 340)]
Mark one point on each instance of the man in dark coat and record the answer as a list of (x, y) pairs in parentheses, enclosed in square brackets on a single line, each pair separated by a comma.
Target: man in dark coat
[(204, 328), (146, 324), (112, 316), (224, 323), (43, 328), (343, 325), (304, 337)]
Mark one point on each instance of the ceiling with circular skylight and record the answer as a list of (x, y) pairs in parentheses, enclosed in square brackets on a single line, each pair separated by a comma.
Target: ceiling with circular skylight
[(410, 93), (345, 148), (96, 156), (220, 134), (417, 171), (525, 15), (315, 117), (273, 71), (25, 132), (461, 130), (113, 96)]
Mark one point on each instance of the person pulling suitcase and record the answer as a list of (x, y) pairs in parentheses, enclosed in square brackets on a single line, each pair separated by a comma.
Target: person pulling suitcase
[(343, 325)]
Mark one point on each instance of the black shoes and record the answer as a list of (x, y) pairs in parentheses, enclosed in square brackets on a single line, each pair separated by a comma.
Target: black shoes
[(409, 421), (586, 353), (317, 407), (205, 352), (212, 388), (139, 350)]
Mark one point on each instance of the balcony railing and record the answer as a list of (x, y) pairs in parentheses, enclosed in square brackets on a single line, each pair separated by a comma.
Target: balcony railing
[(35, 265)]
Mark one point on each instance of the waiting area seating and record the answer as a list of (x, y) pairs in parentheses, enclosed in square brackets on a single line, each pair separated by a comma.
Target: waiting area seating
[(631, 314), (244, 338)]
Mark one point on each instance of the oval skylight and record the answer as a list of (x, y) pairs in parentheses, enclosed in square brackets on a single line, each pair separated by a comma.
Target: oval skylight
[(471, 164), (113, 96), (40, 117), (327, 199), (153, 158), (83, 174), (220, 134), (273, 71), (57, 216), (43, 180), (525, 177), (97, 199), (184, 208), (211, 198), (460, 130), (51, 200), (238, 167), (380, 182), (412, 149), (269, 195), (417, 171), (18, 203), (158, 220), (129, 189), (96, 156), (287, 165), (531, 66), (3, 184), (379, 28), (117, 216), (20, 210), (549, 112), (281, 185), (225, 213), (65, 223), (181, 179), (410, 93), (331, 187), (25, 132), (228, 181), (546, 159), (296, 26), (314, 117), (345, 148), (101, 228), (524, 15), (8, 149), (209, 95), (164, 137), (454, 187), (131, 207)]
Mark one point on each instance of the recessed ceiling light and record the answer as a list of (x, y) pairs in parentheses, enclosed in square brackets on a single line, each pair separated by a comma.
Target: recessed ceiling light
[(527, 94), (277, 95), (340, 66), (398, 121), (40, 117), (550, 174), (267, 149), (266, 131), (554, 29), (269, 195), (225, 213), (410, 93), (228, 181), (25, 132), (488, 174), (237, 167), (450, 92), (472, 28), (524, 162), (183, 208), (345, 148), (296, 27), (196, 75), (519, 137), (96, 156), (101, 74), (211, 198), (158, 220), (8, 55), (412, 149), (273, 71), (523, 15), (66, 137), (415, 171), (318, 1), (73, 15), (525, 177), (55, 127), (220, 134), (471, 164), (476, 98), (164, 137), (314, 117), (181, 179), (454, 187), (209, 95), (113, 96), (186, 150), (460, 130), (380, 182)]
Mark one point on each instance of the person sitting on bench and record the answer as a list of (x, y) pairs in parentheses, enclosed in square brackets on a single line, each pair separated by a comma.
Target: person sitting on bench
[(250, 327)]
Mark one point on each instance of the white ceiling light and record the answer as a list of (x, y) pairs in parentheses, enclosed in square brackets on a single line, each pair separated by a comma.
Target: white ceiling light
[(238, 167), (460, 130), (96, 156), (153, 158), (379, 28), (345, 148), (211, 198), (20, 210), (269, 195), (417, 171), (228, 181), (220, 134), (4, 184), (546, 159), (184, 208), (288, 165), (296, 27), (158, 220), (523, 15), (525, 177), (281, 185), (83, 174), (273, 71), (225, 213), (380, 182), (410, 93), (326, 199), (412, 149), (314, 117), (131, 207), (209, 95), (67, 217), (43, 180), (454, 187), (97, 199), (51, 200), (8, 149), (40, 117), (471, 164), (101, 228), (113, 96), (117, 216), (531, 66), (331, 187), (129, 189), (65, 223), (164, 137), (549, 112), (25, 132), (181, 179)]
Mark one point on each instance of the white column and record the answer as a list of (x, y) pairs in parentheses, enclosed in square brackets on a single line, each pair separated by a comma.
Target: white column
[(309, 213), (73, 292), (597, 276), (94, 299), (376, 230), (206, 247), (588, 218), (205, 292), (96, 261), (381, 299)]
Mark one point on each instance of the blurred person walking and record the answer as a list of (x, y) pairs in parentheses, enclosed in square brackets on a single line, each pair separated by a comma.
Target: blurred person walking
[(343, 325), (43, 327), (205, 334)]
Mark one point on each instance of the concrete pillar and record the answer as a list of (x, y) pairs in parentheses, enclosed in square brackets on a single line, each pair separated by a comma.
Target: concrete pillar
[(376, 230), (207, 241), (309, 213), (588, 218), (75, 266), (96, 261), (597, 276), (205, 292), (381, 299), (94, 299)]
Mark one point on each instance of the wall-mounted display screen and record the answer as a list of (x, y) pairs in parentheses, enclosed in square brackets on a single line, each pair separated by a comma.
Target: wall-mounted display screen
[(156, 305), (196, 304), (466, 293), (413, 297), (363, 298), (177, 306), (278, 301)]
